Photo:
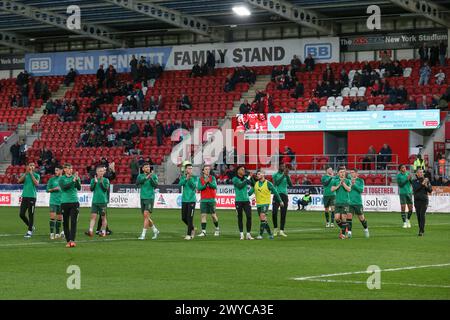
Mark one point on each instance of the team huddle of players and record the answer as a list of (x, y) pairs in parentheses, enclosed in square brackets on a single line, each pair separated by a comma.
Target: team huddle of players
[(342, 197)]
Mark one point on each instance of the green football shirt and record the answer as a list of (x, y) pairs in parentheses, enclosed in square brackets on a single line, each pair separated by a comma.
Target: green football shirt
[(281, 182), (189, 189), (147, 185), (69, 189), (29, 189), (355, 194), (342, 195), (55, 196), (404, 184), (100, 190), (240, 189), (327, 182)]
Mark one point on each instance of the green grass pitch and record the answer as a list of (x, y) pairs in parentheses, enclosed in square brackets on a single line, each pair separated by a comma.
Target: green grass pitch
[(122, 267)]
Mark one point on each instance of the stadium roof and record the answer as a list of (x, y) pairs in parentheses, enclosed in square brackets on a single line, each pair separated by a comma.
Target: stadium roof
[(123, 22)]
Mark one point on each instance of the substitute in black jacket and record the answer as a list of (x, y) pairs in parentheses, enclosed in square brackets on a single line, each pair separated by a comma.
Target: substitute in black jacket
[(421, 187)]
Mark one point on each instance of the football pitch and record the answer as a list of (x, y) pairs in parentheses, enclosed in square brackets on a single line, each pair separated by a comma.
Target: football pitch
[(311, 263)]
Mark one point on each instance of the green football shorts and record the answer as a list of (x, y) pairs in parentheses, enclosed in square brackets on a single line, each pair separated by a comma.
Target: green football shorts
[(147, 205), (356, 209), (341, 209), (406, 199), (55, 208), (208, 207), (262, 208), (98, 209), (328, 201)]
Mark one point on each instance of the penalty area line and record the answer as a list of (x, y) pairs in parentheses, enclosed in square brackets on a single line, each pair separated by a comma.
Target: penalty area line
[(314, 278), (382, 283)]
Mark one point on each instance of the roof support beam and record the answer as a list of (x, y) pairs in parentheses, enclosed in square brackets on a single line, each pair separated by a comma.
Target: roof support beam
[(428, 9), (304, 17), (13, 40), (173, 17), (87, 29)]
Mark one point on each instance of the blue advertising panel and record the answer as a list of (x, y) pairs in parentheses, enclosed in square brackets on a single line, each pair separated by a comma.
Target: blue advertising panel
[(88, 62), (346, 121)]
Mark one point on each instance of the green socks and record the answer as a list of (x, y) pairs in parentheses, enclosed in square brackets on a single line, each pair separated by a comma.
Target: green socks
[(332, 216), (364, 223), (52, 225), (327, 216), (203, 226), (58, 226), (349, 224), (216, 224), (264, 226), (409, 215), (403, 216)]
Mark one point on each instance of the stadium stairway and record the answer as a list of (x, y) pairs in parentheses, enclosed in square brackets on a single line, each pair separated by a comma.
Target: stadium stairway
[(261, 83), (25, 130)]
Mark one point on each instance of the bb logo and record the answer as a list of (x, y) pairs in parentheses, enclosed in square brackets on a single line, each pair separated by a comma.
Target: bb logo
[(5, 198), (40, 64), (319, 50)]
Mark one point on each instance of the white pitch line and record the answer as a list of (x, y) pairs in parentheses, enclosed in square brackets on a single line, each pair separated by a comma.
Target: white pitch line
[(365, 271), (61, 242), (383, 283)]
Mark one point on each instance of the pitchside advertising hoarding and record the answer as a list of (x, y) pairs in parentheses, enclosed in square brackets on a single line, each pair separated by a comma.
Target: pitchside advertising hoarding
[(375, 198), (345, 121), (235, 54)]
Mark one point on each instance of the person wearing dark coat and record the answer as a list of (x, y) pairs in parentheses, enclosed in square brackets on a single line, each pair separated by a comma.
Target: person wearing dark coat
[(159, 132), (134, 68), (100, 77), (421, 188)]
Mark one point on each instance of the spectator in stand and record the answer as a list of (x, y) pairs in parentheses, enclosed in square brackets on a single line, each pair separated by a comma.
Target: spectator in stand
[(309, 63), (362, 104), (185, 103), (283, 82), (244, 108), (259, 95), (299, 91), (411, 103), (328, 74), (321, 89), (385, 60), (442, 53), (440, 77), (45, 91), (385, 86), (88, 91), (111, 138), (13, 101), (376, 89), (134, 130), (159, 133), (335, 89), (169, 128), (296, 65), (134, 68), (385, 156), (148, 130), (423, 52), (312, 106), (365, 79), (397, 70), (15, 154), (354, 104), (100, 77), (306, 181), (288, 157), (367, 67), (424, 72), (402, 94), (38, 89), (134, 167), (369, 158), (423, 103), (434, 55), (196, 71), (210, 62), (23, 148), (70, 77), (111, 74), (24, 96), (343, 77), (267, 103)]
